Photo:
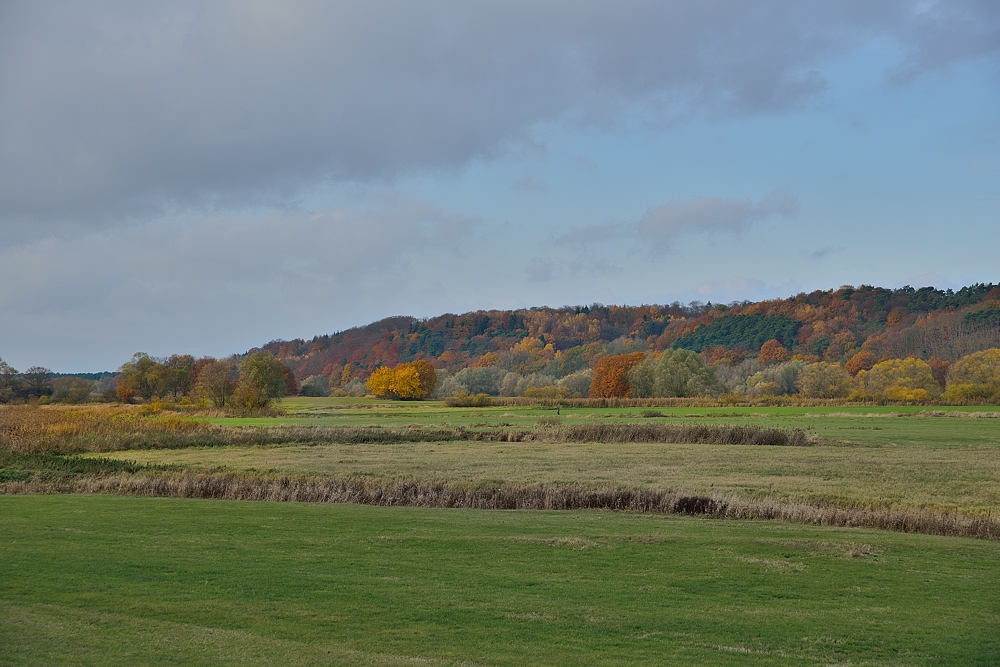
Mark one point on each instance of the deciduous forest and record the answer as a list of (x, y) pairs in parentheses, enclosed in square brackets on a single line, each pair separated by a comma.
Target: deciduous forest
[(864, 343)]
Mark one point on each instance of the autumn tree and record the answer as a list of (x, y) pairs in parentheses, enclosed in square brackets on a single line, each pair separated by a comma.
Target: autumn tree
[(675, 373), (142, 376), (8, 381), (194, 372), (611, 375), (262, 380), (380, 382), (824, 380), (772, 352), (900, 379), (862, 361), (975, 376), (940, 368), (409, 381), (405, 383), (777, 379), (38, 381), (180, 366), (291, 384), (428, 376), (217, 381), (71, 390)]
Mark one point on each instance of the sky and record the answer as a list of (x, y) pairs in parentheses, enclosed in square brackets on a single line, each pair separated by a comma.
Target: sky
[(202, 178)]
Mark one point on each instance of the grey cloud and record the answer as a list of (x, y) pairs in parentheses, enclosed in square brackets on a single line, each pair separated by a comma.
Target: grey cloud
[(592, 234), (824, 251), (224, 282), (660, 226), (113, 111), (529, 183), (937, 35), (539, 270)]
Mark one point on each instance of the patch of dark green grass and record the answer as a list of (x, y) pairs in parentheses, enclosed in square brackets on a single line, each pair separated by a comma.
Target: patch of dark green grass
[(46, 467)]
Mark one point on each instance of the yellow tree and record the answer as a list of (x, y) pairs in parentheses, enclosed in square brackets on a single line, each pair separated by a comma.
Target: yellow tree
[(405, 382), (900, 379), (380, 382), (414, 380), (428, 376), (975, 376)]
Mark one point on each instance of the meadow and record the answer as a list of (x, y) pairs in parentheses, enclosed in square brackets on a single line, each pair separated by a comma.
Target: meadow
[(899, 457), (103, 578), (111, 580)]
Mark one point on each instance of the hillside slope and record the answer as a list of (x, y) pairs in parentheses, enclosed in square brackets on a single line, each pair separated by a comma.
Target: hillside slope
[(831, 325)]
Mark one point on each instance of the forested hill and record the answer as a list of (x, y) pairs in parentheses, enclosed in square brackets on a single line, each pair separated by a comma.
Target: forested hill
[(830, 325)]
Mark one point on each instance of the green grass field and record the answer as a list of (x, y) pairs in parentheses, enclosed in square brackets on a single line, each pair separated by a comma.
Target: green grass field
[(111, 580), (123, 581)]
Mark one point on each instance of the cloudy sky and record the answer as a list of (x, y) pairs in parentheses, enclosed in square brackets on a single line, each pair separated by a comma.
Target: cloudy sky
[(205, 177)]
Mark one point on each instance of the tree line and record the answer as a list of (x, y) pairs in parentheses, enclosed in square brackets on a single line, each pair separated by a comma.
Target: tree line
[(252, 383), (683, 373)]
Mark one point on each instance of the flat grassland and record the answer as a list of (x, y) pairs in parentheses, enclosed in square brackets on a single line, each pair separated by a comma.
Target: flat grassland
[(940, 460), (115, 580), (111, 580)]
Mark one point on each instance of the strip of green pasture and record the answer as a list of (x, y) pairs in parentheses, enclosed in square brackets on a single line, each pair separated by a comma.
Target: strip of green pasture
[(122, 581), (870, 425)]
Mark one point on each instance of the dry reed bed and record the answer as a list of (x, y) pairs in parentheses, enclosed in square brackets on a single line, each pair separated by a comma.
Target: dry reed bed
[(33, 430), (685, 433), (403, 493)]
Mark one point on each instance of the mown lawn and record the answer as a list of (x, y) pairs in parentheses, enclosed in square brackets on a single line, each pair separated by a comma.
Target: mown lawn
[(122, 581)]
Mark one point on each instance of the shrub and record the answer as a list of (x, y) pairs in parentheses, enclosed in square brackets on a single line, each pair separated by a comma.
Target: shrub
[(464, 400), (315, 385), (551, 391)]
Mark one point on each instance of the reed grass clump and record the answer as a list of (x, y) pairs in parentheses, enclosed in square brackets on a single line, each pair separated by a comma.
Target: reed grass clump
[(709, 434), (409, 493)]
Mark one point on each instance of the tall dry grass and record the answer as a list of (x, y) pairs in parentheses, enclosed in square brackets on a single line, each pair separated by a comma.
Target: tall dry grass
[(685, 433), (30, 430), (68, 431), (408, 493)]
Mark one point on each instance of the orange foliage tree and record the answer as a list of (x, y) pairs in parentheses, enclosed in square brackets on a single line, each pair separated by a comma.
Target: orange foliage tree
[(862, 361), (610, 375), (772, 352)]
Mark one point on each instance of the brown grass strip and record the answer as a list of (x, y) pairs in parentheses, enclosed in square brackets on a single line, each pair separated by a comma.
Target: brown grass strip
[(685, 433), (405, 493)]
